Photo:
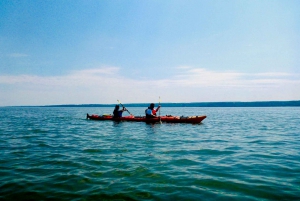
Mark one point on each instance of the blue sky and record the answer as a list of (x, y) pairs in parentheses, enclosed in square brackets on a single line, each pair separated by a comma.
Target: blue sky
[(80, 52)]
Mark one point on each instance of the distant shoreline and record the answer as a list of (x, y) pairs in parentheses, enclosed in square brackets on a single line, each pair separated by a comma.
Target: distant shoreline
[(194, 104)]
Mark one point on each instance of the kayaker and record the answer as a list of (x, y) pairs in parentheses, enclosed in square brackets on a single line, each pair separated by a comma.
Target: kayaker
[(118, 113), (150, 111)]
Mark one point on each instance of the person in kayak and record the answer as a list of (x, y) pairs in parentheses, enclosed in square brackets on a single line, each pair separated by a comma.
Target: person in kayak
[(118, 113), (150, 111)]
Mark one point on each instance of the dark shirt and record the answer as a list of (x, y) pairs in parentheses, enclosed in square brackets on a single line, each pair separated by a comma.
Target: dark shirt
[(117, 113)]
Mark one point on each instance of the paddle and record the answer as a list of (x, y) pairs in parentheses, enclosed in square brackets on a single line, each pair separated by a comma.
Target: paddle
[(125, 108), (159, 112)]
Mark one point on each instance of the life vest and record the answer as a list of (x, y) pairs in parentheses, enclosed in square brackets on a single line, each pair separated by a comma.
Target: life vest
[(150, 113)]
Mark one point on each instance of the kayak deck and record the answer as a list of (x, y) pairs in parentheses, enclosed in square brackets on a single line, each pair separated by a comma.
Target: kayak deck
[(167, 119)]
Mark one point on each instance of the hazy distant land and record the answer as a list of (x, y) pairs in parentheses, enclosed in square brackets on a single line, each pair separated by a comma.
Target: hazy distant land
[(195, 104)]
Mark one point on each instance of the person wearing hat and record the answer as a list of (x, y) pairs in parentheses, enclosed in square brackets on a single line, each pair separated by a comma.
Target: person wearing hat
[(150, 111)]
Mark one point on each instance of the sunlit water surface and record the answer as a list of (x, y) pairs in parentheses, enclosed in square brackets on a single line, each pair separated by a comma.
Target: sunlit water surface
[(234, 154)]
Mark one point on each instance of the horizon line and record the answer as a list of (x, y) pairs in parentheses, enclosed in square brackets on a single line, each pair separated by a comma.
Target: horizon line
[(200, 104)]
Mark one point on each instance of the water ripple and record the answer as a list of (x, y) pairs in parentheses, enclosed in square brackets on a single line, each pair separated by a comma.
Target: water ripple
[(235, 154)]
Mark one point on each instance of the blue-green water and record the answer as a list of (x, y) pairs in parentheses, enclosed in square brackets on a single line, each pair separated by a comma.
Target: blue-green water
[(234, 154)]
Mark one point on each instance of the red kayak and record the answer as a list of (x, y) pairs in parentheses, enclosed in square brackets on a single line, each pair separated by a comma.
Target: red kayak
[(167, 119)]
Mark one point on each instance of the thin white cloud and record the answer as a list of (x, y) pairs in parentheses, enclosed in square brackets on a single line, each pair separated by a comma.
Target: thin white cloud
[(273, 74), (203, 77), (188, 76), (183, 67), (74, 78), (97, 71), (106, 84), (18, 55)]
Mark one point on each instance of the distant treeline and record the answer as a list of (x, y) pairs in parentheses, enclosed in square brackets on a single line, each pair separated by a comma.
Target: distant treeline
[(198, 104)]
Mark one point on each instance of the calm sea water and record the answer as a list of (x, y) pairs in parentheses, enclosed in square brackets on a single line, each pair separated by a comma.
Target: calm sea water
[(234, 154)]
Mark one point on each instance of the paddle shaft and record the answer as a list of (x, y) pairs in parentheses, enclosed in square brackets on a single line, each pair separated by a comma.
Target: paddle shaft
[(159, 111), (159, 104), (124, 107)]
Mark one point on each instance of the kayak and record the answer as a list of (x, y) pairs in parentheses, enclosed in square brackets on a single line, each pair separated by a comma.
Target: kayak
[(167, 118)]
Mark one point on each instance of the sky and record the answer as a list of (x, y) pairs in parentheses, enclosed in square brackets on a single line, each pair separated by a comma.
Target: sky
[(98, 52)]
